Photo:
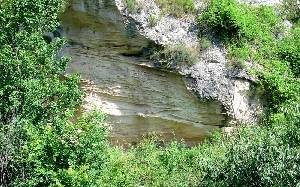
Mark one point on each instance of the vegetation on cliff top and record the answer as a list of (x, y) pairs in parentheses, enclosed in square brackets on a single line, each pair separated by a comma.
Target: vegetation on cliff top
[(177, 8), (171, 57), (40, 146)]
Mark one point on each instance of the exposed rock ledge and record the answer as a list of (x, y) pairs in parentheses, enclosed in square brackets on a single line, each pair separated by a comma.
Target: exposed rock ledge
[(209, 78)]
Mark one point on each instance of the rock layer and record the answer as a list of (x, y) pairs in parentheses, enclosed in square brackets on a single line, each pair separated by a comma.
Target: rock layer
[(107, 26), (137, 98), (140, 99), (210, 78), (99, 24)]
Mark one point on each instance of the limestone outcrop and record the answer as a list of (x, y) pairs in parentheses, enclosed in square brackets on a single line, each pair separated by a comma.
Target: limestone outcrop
[(137, 97), (109, 25), (211, 78)]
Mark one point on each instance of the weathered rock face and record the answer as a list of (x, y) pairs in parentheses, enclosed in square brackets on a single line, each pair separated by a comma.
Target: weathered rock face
[(137, 98), (140, 99), (167, 30), (99, 24), (210, 78)]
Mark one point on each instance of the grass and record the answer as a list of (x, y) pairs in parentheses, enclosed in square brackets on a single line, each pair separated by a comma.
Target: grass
[(153, 20), (133, 6), (177, 8), (173, 56)]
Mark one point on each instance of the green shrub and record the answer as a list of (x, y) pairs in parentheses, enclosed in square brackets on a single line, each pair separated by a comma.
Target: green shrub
[(205, 43), (266, 155), (133, 6), (257, 157), (153, 20), (250, 35), (31, 82), (233, 20), (39, 146), (177, 8), (288, 51), (61, 153), (173, 56), (291, 10), (152, 164)]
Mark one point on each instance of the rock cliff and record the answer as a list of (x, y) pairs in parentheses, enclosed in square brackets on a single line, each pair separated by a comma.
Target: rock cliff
[(109, 25)]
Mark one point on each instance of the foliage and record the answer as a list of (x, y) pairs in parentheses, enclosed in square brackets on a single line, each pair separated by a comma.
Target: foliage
[(233, 20), (152, 163), (40, 146), (61, 153), (291, 10), (133, 6), (257, 157), (35, 95), (173, 56), (153, 20), (205, 43), (177, 8), (267, 155), (31, 81), (288, 51), (242, 160)]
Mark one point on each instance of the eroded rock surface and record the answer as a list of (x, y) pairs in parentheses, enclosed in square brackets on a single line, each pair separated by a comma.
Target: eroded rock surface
[(167, 30), (210, 78), (99, 24), (138, 99), (143, 99)]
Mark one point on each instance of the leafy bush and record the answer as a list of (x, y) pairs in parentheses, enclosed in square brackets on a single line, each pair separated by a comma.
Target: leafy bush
[(36, 98), (152, 163), (256, 157), (205, 43), (233, 20), (177, 8), (61, 153), (266, 155), (288, 51), (31, 82)]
